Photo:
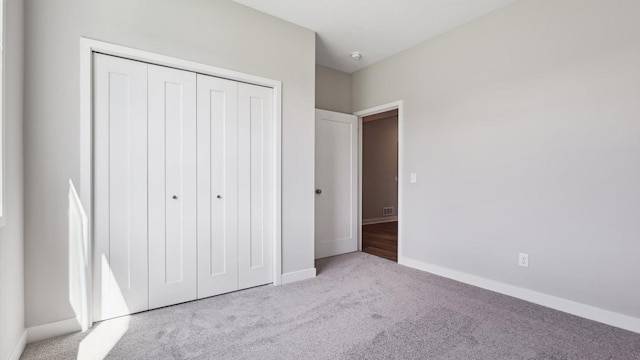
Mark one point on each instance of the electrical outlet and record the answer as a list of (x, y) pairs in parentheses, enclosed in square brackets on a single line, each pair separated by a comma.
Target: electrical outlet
[(523, 260), (414, 178)]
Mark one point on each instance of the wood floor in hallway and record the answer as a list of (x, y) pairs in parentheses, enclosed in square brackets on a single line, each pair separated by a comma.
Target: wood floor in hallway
[(381, 240)]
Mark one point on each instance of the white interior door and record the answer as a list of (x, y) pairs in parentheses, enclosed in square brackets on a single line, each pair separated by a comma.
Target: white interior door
[(256, 202), (120, 188), (217, 186), (336, 183), (172, 186)]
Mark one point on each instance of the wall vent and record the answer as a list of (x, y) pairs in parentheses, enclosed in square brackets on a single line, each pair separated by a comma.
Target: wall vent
[(387, 211)]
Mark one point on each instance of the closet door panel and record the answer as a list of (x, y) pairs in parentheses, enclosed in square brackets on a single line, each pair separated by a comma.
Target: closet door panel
[(217, 186), (120, 253), (172, 186), (256, 203)]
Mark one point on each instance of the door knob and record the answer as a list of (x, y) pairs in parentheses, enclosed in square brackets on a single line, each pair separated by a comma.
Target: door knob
[(219, 196), (318, 191), (175, 197)]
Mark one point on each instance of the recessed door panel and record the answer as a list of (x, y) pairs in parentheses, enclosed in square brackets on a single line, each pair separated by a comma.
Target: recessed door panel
[(256, 203), (217, 186), (120, 218), (172, 186)]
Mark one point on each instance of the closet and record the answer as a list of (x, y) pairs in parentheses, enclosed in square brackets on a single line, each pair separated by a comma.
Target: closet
[(183, 186)]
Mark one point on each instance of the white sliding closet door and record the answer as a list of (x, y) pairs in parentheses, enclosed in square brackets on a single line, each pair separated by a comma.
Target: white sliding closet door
[(217, 186), (172, 186), (120, 188), (256, 157)]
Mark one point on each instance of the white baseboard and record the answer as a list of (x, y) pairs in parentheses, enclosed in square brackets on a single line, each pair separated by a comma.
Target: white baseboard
[(582, 310), (298, 275), (19, 348), (380, 220), (46, 331)]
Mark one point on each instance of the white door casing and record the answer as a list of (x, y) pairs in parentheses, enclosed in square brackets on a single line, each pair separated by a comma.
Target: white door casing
[(256, 187), (217, 186), (120, 191), (336, 180), (172, 186)]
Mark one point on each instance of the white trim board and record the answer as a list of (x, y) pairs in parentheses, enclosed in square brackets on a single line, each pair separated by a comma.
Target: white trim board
[(19, 348), (87, 48), (379, 220), (299, 275), (46, 331), (553, 302), (371, 111)]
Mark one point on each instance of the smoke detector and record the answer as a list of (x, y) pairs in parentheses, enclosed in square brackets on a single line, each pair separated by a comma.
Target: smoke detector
[(356, 55)]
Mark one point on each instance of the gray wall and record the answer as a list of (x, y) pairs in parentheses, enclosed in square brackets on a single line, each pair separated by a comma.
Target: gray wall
[(333, 90), (524, 129), (11, 234), (215, 32), (379, 167)]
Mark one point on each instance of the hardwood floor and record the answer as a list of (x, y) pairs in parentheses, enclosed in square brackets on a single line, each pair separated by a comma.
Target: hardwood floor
[(381, 240)]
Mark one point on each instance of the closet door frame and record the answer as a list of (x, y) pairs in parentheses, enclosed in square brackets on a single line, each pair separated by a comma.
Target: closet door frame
[(87, 48)]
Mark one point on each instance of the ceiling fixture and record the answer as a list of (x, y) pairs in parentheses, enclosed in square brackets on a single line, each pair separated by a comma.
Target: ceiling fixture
[(356, 55)]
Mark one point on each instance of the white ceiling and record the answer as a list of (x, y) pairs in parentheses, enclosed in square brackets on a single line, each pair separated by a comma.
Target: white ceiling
[(376, 28)]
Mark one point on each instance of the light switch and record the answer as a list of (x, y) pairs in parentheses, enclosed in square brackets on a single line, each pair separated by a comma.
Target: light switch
[(414, 178)]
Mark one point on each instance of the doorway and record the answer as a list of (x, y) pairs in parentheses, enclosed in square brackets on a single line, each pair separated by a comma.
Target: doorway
[(380, 184)]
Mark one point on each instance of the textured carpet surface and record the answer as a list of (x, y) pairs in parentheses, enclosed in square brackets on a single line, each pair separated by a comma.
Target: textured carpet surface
[(359, 307)]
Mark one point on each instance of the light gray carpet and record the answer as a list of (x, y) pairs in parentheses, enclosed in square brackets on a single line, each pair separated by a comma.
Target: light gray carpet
[(359, 307)]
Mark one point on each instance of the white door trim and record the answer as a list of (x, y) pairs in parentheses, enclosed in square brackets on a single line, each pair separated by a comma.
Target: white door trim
[(87, 48), (371, 111)]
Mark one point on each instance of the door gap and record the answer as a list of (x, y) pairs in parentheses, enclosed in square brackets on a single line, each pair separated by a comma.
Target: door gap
[(380, 184)]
